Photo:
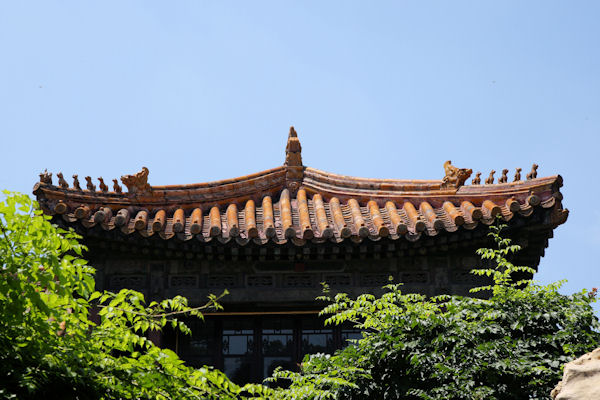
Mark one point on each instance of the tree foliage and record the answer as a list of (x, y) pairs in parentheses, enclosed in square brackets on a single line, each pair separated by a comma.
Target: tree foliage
[(51, 347), (509, 346)]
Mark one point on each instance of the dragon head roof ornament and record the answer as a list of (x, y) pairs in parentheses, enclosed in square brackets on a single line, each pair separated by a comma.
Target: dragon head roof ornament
[(455, 177), (138, 182)]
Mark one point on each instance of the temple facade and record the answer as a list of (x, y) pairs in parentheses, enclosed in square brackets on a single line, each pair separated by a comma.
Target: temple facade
[(271, 238)]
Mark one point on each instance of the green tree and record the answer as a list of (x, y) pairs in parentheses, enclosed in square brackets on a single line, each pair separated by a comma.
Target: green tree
[(509, 346), (51, 348)]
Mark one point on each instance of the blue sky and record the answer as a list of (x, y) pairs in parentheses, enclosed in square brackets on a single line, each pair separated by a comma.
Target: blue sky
[(198, 91)]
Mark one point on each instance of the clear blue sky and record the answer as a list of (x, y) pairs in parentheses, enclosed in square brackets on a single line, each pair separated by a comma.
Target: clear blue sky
[(198, 91)]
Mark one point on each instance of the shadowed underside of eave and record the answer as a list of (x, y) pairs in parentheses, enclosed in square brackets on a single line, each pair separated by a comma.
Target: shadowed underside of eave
[(532, 232)]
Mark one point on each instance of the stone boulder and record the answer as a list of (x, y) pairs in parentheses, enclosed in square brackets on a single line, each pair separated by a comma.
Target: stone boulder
[(581, 379)]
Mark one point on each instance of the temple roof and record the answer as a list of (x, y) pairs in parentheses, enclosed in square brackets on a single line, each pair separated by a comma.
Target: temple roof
[(299, 204)]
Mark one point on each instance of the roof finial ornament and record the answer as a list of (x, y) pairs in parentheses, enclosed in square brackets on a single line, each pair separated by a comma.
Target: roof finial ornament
[(504, 177), (116, 187), (293, 162), (46, 177), (477, 179), (533, 173), (90, 186), (138, 182), (455, 177), (490, 179), (61, 181), (103, 186), (293, 150), (76, 182), (517, 175)]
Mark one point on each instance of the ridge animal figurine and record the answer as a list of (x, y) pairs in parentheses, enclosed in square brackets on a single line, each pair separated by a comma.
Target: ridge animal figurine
[(533, 173), (455, 177), (61, 181), (116, 187), (103, 186), (477, 179), (90, 186), (503, 178), (518, 175), (76, 183), (490, 179)]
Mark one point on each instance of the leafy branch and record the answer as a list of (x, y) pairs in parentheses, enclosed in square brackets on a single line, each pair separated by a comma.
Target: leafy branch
[(49, 343), (508, 345), (504, 271)]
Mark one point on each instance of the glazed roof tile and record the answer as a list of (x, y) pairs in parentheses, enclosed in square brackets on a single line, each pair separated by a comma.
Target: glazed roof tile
[(299, 204)]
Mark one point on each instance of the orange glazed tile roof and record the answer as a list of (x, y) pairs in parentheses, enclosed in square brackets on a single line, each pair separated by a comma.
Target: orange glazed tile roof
[(300, 204)]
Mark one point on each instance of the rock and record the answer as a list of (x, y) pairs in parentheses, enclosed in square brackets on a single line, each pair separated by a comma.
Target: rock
[(581, 379)]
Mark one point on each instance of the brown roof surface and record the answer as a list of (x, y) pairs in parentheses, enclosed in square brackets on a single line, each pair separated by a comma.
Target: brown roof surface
[(301, 204)]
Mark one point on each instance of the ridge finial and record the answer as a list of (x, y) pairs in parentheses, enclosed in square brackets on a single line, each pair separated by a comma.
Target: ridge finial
[(293, 150), (292, 132), (293, 161)]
